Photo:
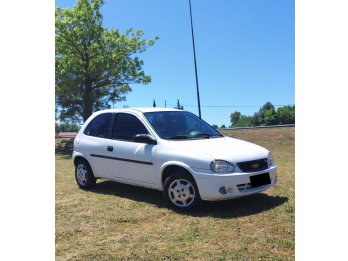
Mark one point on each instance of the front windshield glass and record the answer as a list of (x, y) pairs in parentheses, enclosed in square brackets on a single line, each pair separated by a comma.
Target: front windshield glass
[(180, 125)]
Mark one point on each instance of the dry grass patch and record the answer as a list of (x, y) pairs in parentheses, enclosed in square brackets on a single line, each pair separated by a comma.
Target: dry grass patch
[(122, 222)]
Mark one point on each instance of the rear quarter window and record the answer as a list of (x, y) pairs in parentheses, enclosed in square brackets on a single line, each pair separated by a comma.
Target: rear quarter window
[(99, 126)]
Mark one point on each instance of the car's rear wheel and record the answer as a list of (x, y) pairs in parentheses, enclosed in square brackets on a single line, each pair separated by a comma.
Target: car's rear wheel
[(180, 192), (84, 174)]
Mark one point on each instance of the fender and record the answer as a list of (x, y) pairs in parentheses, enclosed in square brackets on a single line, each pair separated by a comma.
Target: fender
[(171, 163), (86, 157)]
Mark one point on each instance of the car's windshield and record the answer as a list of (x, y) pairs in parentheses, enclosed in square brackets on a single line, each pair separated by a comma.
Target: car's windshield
[(178, 125)]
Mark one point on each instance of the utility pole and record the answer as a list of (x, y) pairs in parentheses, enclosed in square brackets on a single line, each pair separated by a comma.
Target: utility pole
[(194, 57)]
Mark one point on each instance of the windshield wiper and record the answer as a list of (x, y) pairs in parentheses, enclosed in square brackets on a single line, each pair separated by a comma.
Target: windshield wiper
[(208, 135), (179, 137), (204, 135)]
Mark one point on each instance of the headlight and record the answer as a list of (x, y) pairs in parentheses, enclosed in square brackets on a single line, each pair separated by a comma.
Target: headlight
[(270, 160), (221, 166)]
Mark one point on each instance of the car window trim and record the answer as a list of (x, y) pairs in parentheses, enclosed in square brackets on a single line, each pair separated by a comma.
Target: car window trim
[(136, 116)]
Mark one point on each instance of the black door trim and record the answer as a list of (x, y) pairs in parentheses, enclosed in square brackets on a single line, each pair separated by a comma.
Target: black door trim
[(122, 159)]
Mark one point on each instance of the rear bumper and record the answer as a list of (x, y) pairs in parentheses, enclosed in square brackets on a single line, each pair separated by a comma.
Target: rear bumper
[(236, 184)]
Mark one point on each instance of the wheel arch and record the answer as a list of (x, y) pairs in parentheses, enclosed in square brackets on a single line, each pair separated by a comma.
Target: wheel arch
[(79, 156), (172, 167)]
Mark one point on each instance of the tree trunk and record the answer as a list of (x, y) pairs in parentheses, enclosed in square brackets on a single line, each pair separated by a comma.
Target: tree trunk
[(87, 100)]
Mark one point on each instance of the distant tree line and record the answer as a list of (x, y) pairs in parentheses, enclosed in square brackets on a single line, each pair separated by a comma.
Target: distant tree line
[(216, 127), (67, 127), (267, 115)]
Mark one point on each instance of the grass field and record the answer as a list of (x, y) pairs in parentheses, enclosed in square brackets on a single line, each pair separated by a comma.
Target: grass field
[(122, 222)]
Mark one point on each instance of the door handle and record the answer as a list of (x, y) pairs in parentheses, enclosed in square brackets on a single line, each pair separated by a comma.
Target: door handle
[(110, 148)]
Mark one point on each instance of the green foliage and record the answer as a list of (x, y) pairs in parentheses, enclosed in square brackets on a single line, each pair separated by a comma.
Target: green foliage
[(234, 117), (255, 119), (94, 65), (244, 121), (286, 115), (67, 127), (215, 126), (178, 106), (267, 106), (267, 115), (270, 117), (223, 126)]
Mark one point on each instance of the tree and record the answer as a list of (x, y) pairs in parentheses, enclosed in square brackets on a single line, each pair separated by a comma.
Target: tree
[(178, 106), (286, 115), (270, 117), (244, 121), (94, 65), (268, 106), (223, 126), (234, 117), (214, 126), (154, 103), (255, 119)]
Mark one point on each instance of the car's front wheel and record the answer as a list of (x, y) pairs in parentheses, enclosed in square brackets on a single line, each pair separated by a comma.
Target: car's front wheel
[(181, 192), (84, 174)]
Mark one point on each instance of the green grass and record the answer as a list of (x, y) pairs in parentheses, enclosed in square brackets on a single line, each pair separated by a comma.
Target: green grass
[(121, 222)]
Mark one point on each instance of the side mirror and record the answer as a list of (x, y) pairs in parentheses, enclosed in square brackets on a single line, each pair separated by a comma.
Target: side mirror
[(145, 138)]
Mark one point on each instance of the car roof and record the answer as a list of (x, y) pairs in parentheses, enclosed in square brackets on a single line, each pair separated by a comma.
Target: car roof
[(142, 110), (151, 109)]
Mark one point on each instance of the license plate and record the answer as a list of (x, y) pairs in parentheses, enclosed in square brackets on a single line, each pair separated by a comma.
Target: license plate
[(260, 180)]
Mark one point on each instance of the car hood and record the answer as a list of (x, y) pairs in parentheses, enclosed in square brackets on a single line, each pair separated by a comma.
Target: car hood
[(226, 148)]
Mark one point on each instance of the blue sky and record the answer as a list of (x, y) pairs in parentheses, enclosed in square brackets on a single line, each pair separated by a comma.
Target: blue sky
[(245, 53)]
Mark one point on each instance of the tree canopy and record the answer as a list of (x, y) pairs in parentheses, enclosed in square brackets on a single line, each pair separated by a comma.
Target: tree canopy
[(286, 114), (94, 65), (234, 117), (178, 105)]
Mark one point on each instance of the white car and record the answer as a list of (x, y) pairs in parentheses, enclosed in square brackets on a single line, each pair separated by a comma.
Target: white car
[(170, 150)]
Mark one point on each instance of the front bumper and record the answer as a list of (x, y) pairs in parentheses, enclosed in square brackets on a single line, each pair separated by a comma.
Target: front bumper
[(236, 184)]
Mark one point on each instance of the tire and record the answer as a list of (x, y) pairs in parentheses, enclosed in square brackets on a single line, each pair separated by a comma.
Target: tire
[(84, 175), (180, 192)]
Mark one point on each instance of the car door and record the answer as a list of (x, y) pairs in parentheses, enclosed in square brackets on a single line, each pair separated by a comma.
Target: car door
[(97, 133), (130, 161)]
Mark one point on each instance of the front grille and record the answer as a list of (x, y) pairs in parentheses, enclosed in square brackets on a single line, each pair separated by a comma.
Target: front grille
[(253, 165)]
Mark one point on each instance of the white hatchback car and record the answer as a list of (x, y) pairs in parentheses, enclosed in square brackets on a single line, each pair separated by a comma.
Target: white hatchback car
[(170, 150)]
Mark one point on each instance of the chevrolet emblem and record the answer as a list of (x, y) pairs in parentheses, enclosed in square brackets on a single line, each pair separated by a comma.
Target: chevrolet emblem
[(255, 165)]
